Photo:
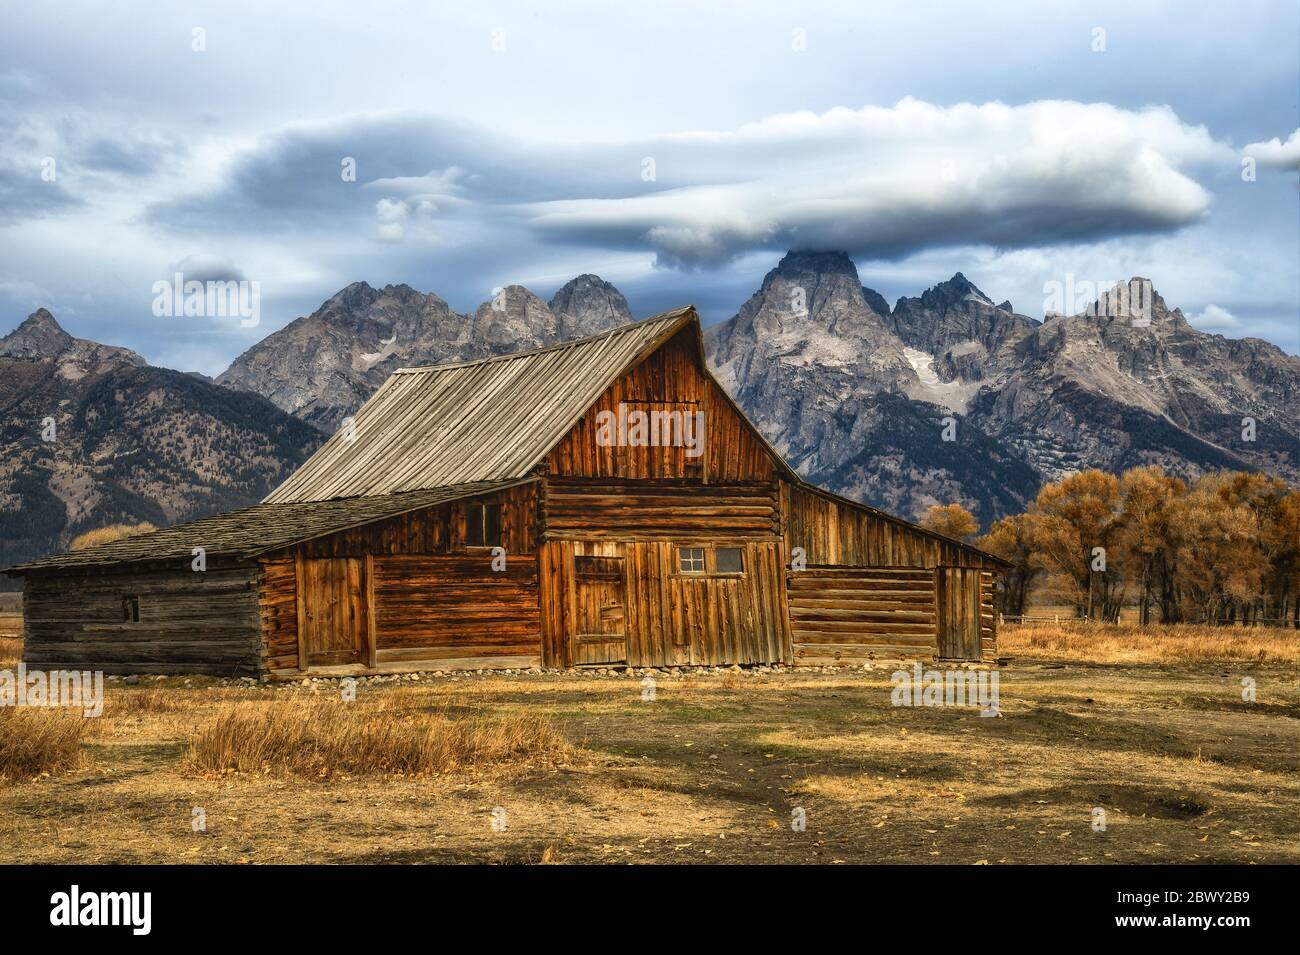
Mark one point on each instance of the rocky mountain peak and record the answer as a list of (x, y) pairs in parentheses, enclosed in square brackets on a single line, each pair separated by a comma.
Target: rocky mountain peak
[(805, 346), (587, 305), (354, 297), (960, 326), (514, 318), (956, 290), (1129, 309), (321, 367), (876, 301), (796, 265), (814, 293), (39, 336), (1136, 297)]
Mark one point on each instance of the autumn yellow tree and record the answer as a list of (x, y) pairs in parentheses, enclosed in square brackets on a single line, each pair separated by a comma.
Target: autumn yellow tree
[(1274, 507), (1221, 566), (951, 520), (1225, 549), (1008, 538), (1073, 526), (1147, 496), (1285, 557)]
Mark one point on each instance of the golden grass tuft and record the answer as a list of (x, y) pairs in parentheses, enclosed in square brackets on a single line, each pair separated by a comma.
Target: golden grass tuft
[(125, 702), (35, 740), (11, 651), (109, 532), (1124, 643), (314, 738)]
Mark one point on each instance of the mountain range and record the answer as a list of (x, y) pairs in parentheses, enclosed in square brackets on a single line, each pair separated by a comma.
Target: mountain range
[(92, 435), (322, 367), (943, 397)]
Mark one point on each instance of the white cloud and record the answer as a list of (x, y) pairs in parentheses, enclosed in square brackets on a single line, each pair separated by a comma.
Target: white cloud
[(1214, 319), (1277, 154), (888, 182), (391, 210)]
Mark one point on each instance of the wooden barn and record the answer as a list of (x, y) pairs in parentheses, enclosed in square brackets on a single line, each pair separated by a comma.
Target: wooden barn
[(597, 503)]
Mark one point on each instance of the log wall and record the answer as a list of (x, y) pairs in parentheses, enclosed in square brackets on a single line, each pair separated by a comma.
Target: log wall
[(852, 614), (456, 611), (609, 509), (190, 621)]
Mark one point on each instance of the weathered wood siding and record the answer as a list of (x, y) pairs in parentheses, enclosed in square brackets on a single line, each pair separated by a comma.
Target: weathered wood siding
[(430, 599), (435, 530), (608, 509), (457, 611), (832, 532), (668, 380), (988, 617), (846, 615), (671, 618), (860, 596), (613, 517), (190, 621), (850, 614), (278, 601)]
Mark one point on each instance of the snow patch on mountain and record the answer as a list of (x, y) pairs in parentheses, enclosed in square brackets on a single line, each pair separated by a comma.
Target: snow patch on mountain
[(954, 395)]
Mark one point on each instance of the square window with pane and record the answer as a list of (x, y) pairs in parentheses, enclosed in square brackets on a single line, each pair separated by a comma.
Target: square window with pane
[(729, 560), (690, 560)]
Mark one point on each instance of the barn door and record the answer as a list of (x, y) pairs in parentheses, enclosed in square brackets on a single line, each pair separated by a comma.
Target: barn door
[(957, 612), (599, 634), (332, 624)]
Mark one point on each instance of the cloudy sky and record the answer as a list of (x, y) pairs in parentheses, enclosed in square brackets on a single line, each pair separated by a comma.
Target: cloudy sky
[(675, 148)]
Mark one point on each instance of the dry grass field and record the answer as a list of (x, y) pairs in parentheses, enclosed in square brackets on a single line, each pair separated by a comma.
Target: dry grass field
[(579, 768)]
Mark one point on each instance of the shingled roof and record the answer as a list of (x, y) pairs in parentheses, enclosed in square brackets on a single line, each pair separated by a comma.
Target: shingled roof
[(250, 531), (487, 420)]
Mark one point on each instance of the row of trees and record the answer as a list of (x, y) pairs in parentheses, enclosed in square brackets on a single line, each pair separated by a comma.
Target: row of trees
[(1223, 549)]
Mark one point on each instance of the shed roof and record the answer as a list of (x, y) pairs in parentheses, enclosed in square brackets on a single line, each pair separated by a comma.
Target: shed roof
[(888, 518), (257, 529), (491, 419)]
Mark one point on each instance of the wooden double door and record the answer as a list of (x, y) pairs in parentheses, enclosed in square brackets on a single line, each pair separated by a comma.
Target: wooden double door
[(334, 612)]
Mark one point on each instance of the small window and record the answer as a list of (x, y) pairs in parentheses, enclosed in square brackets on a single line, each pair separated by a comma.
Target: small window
[(691, 559), (483, 525), (729, 560), (131, 609)]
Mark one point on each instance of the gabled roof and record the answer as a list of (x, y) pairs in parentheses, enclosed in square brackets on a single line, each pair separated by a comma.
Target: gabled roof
[(487, 420), (250, 531)]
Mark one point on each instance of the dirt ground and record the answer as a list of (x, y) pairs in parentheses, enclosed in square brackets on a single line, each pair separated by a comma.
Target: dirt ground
[(713, 771)]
